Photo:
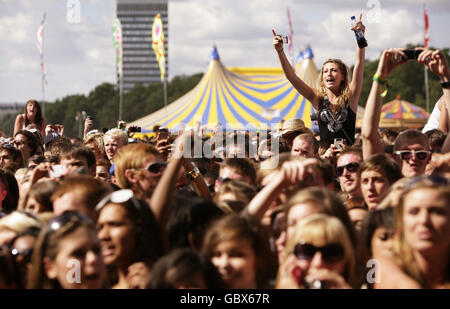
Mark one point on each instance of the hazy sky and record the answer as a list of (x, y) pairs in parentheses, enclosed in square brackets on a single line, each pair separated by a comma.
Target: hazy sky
[(79, 56)]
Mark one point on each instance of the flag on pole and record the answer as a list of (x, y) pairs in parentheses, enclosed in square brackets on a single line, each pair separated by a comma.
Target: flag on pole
[(117, 41), (158, 44), (40, 45), (426, 27), (291, 32)]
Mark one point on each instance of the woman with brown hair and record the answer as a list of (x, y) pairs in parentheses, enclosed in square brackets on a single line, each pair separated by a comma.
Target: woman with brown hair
[(32, 118)]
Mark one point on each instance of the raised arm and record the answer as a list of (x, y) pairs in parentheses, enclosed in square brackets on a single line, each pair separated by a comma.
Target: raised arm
[(18, 124), (358, 71), (306, 91), (389, 60), (437, 63)]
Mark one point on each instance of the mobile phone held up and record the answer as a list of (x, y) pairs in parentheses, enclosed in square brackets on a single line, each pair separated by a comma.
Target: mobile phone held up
[(412, 54)]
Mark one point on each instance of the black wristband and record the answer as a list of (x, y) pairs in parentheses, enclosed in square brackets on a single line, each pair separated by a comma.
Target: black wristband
[(446, 85)]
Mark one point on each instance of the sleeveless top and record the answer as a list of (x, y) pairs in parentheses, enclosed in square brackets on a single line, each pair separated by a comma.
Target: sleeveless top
[(333, 126)]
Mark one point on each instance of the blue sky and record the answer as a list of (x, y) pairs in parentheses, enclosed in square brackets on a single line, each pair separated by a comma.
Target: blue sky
[(80, 56)]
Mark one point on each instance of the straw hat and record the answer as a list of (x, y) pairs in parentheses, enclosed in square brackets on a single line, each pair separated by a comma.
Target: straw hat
[(292, 125)]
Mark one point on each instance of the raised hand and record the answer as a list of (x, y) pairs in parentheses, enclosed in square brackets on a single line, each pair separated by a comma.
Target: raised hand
[(436, 61), (277, 41), (359, 25), (390, 59)]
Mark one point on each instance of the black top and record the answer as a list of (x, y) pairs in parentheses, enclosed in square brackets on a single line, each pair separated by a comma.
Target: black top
[(333, 126)]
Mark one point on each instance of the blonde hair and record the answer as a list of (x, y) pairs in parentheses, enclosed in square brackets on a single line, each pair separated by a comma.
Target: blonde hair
[(344, 89), (131, 156), (319, 230), (116, 134), (402, 250)]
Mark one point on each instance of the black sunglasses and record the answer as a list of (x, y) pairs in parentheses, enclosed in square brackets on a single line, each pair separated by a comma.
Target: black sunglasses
[(330, 253), (351, 167), (406, 155), (156, 167)]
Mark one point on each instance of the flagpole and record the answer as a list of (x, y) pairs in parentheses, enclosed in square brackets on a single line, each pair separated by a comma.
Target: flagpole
[(165, 99), (427, 99), (120, 96)]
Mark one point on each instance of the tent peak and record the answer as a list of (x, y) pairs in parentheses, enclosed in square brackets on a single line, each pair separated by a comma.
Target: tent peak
[(214, 54)]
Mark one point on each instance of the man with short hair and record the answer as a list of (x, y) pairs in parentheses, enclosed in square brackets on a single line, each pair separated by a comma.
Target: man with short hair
[(412, 152), (241, 169), (305, 145), (80, 159), (348, 173)]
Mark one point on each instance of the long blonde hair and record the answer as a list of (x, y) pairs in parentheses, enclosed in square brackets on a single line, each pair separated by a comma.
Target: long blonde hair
[(344, 89), (402, 250)]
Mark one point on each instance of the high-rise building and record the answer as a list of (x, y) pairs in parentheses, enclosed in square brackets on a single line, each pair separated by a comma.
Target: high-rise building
[(139, 59)]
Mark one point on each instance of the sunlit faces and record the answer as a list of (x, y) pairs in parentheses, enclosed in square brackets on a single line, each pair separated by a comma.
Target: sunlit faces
[(117, 234), (381, 242), (302, 148), (236, 263), (413, 166), (298, 212), (426, 219), (374, 187), (83, 246), (332, 76), (350, 181), (112, 144)]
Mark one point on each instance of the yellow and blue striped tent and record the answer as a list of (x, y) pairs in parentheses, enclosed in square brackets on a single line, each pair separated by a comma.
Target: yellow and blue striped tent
[(238, 99)]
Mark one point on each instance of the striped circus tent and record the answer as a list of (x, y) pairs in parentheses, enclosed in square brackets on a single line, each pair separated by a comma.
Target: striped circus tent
[(237, 99), (402, 114)]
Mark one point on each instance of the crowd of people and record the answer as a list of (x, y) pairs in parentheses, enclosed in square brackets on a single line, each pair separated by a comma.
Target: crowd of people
[(291, 209)]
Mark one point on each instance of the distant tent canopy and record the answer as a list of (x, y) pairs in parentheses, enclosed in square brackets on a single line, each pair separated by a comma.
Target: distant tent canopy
[(402, 114), (238, 99)]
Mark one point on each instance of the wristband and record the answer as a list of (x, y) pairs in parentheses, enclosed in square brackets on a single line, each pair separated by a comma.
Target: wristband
[(382, 81), (446, 85)]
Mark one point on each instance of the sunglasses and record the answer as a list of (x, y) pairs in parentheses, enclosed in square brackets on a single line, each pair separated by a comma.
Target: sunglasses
[(156, 167), (66, 217), (119, 197), (331, 253), (406, 155), (351, 167)]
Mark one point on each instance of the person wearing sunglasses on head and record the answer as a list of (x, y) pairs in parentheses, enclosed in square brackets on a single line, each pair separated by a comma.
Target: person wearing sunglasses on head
[(67, 255), (347, 172), (319, 255), (129, 237)]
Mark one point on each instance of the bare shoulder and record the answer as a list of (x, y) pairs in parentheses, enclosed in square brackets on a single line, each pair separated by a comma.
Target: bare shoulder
[(392, 276)]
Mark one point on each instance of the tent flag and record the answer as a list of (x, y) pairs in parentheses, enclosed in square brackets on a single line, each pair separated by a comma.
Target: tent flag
[(117, 41), (40, 45), (158, 44)]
